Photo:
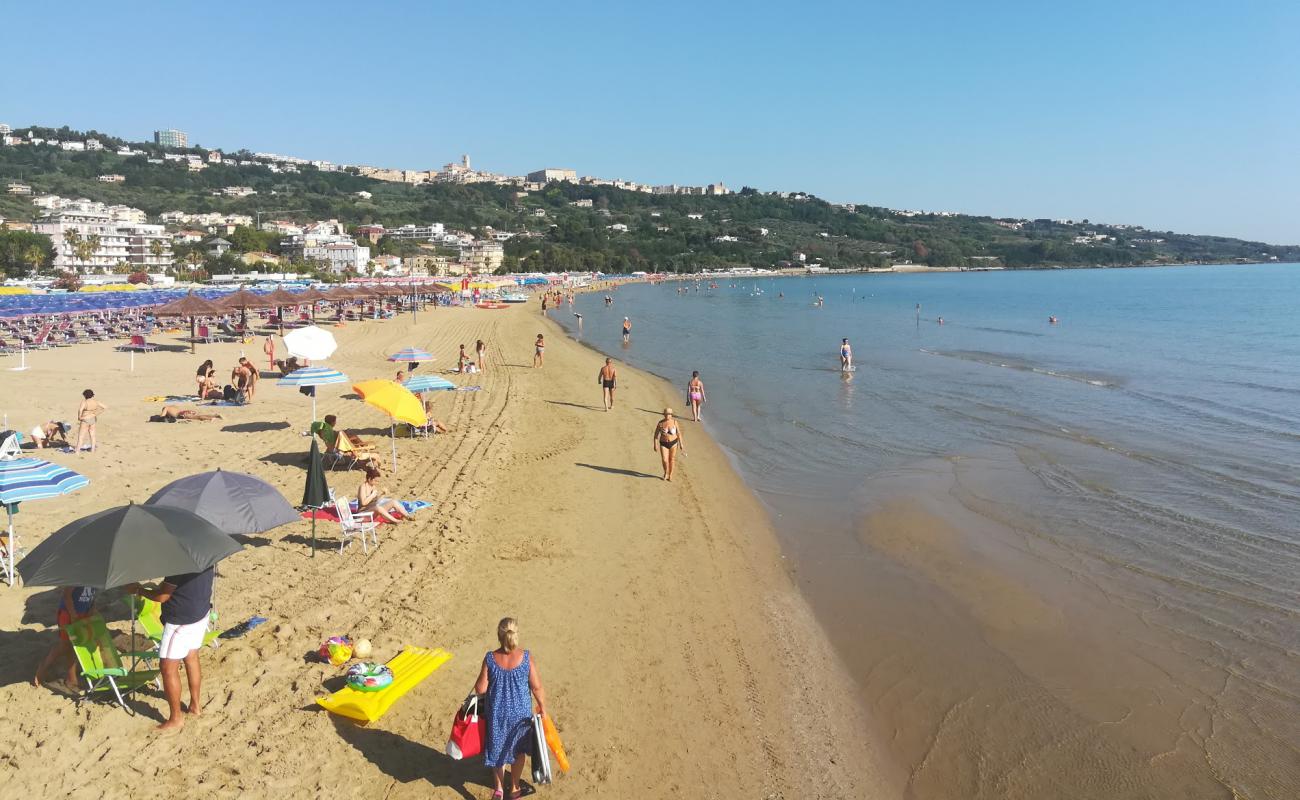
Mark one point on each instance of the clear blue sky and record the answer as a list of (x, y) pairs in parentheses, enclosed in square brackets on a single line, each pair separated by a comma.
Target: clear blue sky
[(1176, 115)]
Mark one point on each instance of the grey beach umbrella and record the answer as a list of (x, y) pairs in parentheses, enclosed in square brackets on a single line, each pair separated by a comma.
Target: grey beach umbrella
[(125, 545), (232, 501), (317, 492)]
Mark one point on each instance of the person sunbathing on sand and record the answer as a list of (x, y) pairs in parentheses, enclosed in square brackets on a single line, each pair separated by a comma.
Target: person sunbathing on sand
[(174, 413), (370, 497)]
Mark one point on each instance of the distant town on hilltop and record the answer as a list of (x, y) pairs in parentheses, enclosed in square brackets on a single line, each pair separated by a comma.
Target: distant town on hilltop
[(90, 206)]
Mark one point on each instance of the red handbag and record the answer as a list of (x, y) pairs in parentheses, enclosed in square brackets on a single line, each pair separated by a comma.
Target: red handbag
[(466, 739)]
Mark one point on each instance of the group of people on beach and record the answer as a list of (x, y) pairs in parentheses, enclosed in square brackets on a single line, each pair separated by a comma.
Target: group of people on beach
[(243, 381)]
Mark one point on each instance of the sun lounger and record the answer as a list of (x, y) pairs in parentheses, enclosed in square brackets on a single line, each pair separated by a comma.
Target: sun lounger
[(137, 344), (409, 667), (101, 663)]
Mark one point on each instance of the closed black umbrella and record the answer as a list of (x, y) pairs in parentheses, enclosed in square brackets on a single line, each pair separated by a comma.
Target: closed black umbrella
[(317, 492), (232, 501), (125, 545)]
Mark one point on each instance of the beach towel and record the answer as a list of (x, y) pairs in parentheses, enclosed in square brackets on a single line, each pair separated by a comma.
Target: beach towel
[(221, 403), (171, 398), (469, 388), (412, 506), (242, 628)]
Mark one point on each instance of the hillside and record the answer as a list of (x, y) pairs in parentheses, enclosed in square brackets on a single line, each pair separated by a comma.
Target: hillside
[(747, 228)]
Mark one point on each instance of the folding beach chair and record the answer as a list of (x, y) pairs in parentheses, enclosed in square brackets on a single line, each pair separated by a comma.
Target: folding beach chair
[(355, 525), (101, 663), (148, 615)]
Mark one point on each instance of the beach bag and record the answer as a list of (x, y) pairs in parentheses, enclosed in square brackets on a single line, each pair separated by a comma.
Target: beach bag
[(230, 394), (466, 740), (541, 754)]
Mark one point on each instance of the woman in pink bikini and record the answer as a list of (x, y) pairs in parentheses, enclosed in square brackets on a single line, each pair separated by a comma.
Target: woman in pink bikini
[(695, 394)]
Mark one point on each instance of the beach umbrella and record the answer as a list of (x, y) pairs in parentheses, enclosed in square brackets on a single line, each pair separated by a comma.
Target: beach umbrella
[(124, 545), (233, 501), (317, 492), (311, 342), (428, 383), (412, 356), (396, 401), (23, 479), (244, 300), (281, 298), (312, 376), (191, 305), (312, 296)]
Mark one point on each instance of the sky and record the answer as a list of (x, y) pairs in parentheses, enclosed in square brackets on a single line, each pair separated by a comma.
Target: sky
[(1178, 116)]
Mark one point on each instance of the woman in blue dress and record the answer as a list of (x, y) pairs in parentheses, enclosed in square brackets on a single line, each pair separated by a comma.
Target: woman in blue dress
[(508, 678)]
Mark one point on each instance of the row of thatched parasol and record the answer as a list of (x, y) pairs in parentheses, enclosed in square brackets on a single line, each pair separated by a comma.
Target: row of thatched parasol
[(193, 306)]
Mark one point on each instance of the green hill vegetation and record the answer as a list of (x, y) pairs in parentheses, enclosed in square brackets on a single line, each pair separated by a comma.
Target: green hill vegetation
[(673, 233)]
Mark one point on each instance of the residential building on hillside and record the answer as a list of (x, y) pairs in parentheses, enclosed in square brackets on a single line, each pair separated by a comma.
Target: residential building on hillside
[(327, 243), (17, 187), (119, 240), (110, 178), (483, 256), (370, 233), (219, 247), (425, 233), (552, 174), (170, 137)]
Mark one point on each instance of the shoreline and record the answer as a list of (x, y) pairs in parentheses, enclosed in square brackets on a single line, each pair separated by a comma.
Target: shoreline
[(667, 630)]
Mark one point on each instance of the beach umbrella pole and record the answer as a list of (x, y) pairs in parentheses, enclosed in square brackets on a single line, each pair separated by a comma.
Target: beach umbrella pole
[(392, 435), (11, 546)]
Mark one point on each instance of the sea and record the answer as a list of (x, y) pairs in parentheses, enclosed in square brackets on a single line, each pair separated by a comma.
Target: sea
[(1059, 558)]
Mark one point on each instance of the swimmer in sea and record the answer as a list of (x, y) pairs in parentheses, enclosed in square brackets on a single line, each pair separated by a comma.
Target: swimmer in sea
[(940, 320), (1051, 320), (846, 355), (608, 379), (695, 394)]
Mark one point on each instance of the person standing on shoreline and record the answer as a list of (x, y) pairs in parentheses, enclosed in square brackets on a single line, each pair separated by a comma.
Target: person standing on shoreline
[(480, 352), (667, 438), (695, 394), (846, 356), (607, 379), (539, 351)]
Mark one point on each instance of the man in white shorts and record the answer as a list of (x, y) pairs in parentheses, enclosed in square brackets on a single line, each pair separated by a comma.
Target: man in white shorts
[(186, 601)]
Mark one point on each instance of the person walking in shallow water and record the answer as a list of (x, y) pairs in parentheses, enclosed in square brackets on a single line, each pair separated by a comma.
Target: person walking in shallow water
[(627, 330), (508, 678), (608, 379), (695, 394), (667, 440)]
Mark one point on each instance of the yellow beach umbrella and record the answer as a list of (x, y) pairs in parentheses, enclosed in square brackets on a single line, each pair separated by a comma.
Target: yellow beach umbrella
[(396, 401)]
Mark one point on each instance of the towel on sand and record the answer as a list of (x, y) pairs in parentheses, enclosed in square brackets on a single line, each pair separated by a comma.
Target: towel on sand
[(328, 514)]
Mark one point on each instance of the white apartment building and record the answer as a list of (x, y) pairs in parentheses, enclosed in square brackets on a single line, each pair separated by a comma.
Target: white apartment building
[(425, 233), (111, 178), (552, 174), (119, 240), (338, 252)]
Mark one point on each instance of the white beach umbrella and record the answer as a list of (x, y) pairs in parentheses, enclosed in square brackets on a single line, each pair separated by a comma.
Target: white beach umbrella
[(311, 342)]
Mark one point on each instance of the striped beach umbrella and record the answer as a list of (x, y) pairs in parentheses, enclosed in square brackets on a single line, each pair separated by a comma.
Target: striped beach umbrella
[(411, 354), (23, 479), (312, 376), (428, 383)]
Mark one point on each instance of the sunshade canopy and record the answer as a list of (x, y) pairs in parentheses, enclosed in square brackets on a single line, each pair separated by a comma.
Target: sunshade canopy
[(311, 343), (126, 544), (393, 399), (234, 502)]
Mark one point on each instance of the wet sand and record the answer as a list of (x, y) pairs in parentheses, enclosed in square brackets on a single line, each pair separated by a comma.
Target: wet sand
[(679, 658)]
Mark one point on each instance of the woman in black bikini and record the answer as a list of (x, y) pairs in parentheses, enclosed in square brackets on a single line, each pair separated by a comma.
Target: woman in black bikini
[(667, 438)]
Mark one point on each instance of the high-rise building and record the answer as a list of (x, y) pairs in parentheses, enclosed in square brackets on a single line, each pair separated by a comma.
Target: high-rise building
[(170, 138)]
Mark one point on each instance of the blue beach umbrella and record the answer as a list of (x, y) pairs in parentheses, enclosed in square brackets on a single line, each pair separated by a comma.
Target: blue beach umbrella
[(312, 376), (428, 383), (412, 356), (24, 479)]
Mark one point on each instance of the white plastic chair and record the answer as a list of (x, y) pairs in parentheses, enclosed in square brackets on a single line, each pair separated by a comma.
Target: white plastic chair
[(355, 525)]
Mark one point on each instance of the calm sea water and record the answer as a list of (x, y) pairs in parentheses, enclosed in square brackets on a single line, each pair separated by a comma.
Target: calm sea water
[(1146, 447)]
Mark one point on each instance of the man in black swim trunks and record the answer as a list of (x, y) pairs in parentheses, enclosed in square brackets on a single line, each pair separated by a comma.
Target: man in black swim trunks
[(627, 329), (607, 379)]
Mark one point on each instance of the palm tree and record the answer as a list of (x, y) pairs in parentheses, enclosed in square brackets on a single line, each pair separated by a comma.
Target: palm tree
[(34, 256), (156, 249), (72, 239)]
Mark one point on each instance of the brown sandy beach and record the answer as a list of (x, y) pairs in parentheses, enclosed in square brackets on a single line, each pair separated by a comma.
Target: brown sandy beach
[(678, 657)]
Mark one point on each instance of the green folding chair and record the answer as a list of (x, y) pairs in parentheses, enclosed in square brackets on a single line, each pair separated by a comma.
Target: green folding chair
[(101, 663), (149, 618)]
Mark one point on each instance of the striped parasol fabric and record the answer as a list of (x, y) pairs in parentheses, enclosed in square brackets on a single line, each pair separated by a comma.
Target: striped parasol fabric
[(312, 376), (411, 354), (428, 383), (24, 479)]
